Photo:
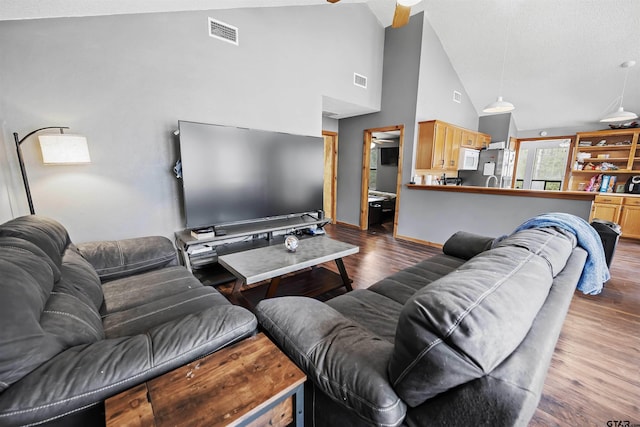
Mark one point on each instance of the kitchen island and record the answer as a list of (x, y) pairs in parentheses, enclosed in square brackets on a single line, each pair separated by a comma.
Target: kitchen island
[(445, 209)]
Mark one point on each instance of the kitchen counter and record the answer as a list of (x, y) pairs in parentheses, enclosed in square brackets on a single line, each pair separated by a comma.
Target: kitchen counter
[(567, 195)]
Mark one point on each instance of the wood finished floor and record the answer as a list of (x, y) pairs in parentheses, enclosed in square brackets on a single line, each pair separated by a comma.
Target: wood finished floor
[(594, 376)]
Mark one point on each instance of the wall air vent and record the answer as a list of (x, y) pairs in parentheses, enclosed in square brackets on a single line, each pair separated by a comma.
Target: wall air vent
[(457, 97), (222, 31), (359, 80)]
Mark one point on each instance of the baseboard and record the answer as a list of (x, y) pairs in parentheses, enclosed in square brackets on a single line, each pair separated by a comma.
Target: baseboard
[(419, 241), (346, 224)]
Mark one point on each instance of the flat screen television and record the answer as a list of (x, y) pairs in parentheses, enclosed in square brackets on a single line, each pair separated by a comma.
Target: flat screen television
[(389, 155), (232, 174)]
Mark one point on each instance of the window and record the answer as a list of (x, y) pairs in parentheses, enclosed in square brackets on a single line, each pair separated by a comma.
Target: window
[(542, 164), (373, 167)]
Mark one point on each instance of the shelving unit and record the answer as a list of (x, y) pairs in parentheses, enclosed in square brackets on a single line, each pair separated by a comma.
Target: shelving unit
[(609, 147)]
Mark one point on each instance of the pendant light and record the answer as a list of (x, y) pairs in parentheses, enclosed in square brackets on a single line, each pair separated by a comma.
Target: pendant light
[(620, 115), (500, 105)]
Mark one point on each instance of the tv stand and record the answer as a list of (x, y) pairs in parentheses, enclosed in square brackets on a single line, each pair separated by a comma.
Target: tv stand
[(197, 253)]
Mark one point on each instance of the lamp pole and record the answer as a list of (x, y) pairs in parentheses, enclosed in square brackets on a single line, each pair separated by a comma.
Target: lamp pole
[(21, 161)]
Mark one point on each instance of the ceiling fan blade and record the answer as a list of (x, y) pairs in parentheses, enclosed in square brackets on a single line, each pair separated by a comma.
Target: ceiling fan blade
[(401, 16)]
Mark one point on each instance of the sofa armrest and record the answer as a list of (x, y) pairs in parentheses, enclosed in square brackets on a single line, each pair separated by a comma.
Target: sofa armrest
[(121, 258), (88, 374), (342, 358)]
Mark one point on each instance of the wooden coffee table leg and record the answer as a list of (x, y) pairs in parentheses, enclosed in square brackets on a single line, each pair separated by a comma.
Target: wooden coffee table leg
[(273, 287), (343, 272), (238, 298)]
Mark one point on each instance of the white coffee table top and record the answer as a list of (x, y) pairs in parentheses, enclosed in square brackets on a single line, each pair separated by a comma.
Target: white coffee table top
[(256, 265)]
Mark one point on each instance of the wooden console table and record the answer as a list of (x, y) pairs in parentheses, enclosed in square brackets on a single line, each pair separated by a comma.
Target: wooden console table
[(251, 383)]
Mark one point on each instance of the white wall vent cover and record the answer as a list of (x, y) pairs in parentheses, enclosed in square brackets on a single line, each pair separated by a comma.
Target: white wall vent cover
[(457, 97), (222, 31), (359, 80)]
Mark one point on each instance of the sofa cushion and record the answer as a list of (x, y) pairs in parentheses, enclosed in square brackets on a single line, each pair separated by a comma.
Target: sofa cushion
[(80, 279), (554, 245), (139, 319), (373, 311), (27, 280), (27, 247), (121, 258), (401, 286), (454, 330), (127, 292), (45, 233)]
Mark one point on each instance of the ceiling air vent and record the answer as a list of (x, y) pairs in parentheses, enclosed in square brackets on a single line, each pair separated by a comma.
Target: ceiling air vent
[(457, 97), (222, 31), (359, 80)]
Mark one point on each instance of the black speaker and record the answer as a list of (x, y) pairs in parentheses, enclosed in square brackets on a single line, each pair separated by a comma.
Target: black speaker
[(320, 214)]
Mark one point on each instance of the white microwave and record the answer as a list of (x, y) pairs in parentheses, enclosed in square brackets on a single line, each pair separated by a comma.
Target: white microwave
[(468, 159)]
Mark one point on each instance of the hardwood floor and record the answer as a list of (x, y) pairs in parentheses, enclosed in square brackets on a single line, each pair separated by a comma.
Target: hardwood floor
[(594, 376)]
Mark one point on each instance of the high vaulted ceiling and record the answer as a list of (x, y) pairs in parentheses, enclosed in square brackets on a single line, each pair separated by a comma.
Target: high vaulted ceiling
[(561, 61)]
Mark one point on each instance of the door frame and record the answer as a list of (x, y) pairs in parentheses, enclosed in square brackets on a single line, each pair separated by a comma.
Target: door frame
[(364, 188), (333, 137)]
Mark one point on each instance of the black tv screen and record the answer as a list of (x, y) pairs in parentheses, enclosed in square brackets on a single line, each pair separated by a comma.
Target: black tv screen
[(389, 155), (232, 174)]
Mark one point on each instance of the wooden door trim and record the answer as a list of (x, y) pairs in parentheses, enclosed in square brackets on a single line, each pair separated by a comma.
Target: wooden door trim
[(334, 173), (364, 188)]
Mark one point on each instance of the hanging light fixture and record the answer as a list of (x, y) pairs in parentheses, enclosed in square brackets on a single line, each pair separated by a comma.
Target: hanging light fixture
[(500, 105), (620, 115)]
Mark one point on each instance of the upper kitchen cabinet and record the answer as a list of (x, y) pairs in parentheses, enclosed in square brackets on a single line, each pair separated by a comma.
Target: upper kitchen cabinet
[(439, 145), (611, 152)]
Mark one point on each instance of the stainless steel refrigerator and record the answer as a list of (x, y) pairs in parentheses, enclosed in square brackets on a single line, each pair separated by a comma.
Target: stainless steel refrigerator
[(495, 169)]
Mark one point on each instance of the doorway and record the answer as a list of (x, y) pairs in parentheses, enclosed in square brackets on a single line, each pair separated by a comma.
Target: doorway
[(330, 174), (381, 178)]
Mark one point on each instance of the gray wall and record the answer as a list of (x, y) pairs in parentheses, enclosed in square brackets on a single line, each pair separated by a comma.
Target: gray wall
[(124, 82), (496, 125), (399, 91), (438, 80)]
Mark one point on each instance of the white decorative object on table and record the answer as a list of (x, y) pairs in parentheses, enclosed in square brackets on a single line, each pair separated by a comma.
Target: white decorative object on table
[(291, 243)]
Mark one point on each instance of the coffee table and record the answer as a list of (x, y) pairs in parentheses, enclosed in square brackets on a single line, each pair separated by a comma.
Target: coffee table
[(272, 262)]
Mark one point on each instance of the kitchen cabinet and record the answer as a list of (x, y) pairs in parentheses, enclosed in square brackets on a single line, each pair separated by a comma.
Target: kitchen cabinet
[(482, 141), (630, 218), (469, 139), (621, 209), (612, 152), (439, 145), (606, 208)]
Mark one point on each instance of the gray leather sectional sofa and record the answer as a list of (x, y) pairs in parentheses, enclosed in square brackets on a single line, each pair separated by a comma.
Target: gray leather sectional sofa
[(463, 338), (80, 323)]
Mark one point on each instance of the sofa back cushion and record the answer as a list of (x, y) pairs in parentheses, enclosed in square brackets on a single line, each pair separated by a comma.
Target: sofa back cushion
[(27, 281), (462, 326), (120, 258), (552, 244), (47, 234)]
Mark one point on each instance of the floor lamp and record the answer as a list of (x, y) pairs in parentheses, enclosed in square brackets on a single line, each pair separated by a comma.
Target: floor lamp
[(56, 149)]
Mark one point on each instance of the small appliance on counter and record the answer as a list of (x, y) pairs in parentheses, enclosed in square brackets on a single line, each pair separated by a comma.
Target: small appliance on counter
[(633, 185)]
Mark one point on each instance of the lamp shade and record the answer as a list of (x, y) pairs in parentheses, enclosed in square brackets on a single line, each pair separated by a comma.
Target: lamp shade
[(64, 148), (619, 116), (499, 106)]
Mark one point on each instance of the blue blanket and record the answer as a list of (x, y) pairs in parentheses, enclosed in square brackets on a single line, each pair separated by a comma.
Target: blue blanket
[(595, 272)]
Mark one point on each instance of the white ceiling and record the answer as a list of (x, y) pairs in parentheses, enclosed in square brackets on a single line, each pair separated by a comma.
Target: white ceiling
[(563, 57)]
